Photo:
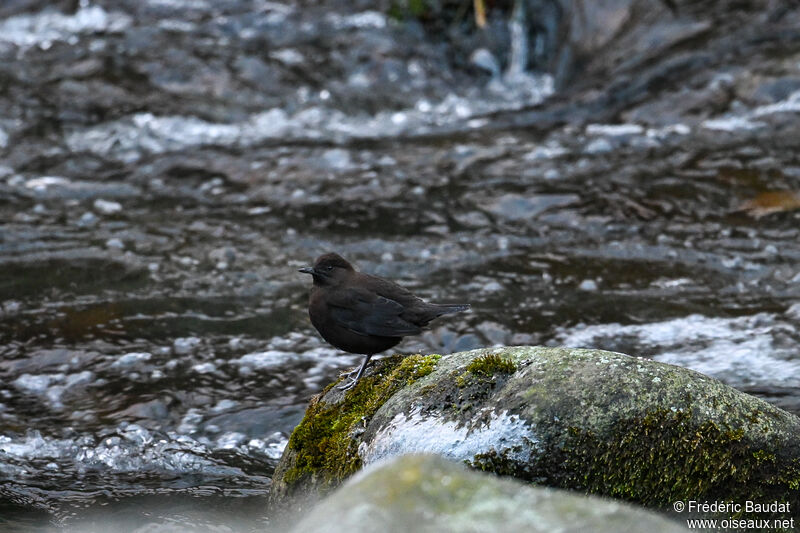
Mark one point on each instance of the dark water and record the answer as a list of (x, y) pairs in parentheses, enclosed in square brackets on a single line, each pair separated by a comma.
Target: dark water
[(166, 166)]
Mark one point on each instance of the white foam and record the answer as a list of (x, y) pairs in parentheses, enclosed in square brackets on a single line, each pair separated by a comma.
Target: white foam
[(288, 56), (551, 150), (185, 345), (739, 351), (131, 359), (365, 19), (321, 357), (132, 449), (273, 449), (262, 360), (204, 368), (614, 130), (230, 440), (181, 4), (48, 26), (672, 129), (732, 123), (789, 105), (36, 384), (745, 122), (132, 137), (107, 207), (42, 183), (141, 133)]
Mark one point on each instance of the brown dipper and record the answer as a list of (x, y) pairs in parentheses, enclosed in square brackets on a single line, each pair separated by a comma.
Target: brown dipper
[(359, 313)]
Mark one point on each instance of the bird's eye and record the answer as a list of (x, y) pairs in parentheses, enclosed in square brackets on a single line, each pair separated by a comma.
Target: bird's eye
[(329, 267)]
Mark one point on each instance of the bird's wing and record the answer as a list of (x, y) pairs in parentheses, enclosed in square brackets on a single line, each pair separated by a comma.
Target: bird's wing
[(367, 313)]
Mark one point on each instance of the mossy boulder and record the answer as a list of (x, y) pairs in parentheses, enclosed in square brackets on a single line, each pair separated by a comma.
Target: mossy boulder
[(589, 420), (322, 450), (428, 493)]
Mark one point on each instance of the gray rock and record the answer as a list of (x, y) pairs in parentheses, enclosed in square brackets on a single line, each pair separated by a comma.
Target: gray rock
[(50, 360), (776, 90), (589, 420), (428, 493), (76, 268)]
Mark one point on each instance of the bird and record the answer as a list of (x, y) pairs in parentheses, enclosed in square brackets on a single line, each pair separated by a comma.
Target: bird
[(364, 314)]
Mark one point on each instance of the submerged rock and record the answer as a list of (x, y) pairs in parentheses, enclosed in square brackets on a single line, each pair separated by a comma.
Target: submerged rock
[(78, 269), (425, 492), (590, 420)]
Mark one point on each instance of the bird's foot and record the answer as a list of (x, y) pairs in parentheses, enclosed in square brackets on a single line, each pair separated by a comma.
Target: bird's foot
[(358, 375), (348, 374), (350, 385)]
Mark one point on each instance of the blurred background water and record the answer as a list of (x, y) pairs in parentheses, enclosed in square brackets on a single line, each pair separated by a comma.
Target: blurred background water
[(621, 175)]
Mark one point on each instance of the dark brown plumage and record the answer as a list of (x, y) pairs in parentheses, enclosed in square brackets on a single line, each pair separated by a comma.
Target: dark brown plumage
[(359, 313)]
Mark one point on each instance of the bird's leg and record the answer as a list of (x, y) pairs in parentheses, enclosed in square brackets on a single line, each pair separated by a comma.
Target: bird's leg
[(358, 376), (354, 371)]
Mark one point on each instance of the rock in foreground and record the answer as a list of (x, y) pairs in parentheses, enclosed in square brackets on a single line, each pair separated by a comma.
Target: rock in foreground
[(594, 421), (428, 493)]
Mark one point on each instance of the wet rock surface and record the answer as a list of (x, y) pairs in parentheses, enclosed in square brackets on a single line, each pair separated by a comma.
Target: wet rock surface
[(167, 165), (436, 495), (588, 420)]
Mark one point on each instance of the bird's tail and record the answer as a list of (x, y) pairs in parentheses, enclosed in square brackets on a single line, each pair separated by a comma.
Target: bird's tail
[(446, 309)]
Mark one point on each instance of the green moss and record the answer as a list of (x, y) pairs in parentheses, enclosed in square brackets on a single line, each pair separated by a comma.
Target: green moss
[(491, 364), (323, 441), (414, 8), (497, 463), (667, 456)]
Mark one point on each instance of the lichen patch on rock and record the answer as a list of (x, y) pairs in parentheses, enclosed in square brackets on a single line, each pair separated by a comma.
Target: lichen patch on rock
[(497, 433)]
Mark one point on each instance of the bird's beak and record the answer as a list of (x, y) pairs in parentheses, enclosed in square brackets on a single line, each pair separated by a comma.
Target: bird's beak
[(307, 270)]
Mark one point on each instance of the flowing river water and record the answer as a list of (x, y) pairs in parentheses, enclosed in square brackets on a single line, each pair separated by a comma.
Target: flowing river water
[(166, 166)]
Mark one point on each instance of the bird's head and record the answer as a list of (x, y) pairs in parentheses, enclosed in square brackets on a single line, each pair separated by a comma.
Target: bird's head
[(329, 269)]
